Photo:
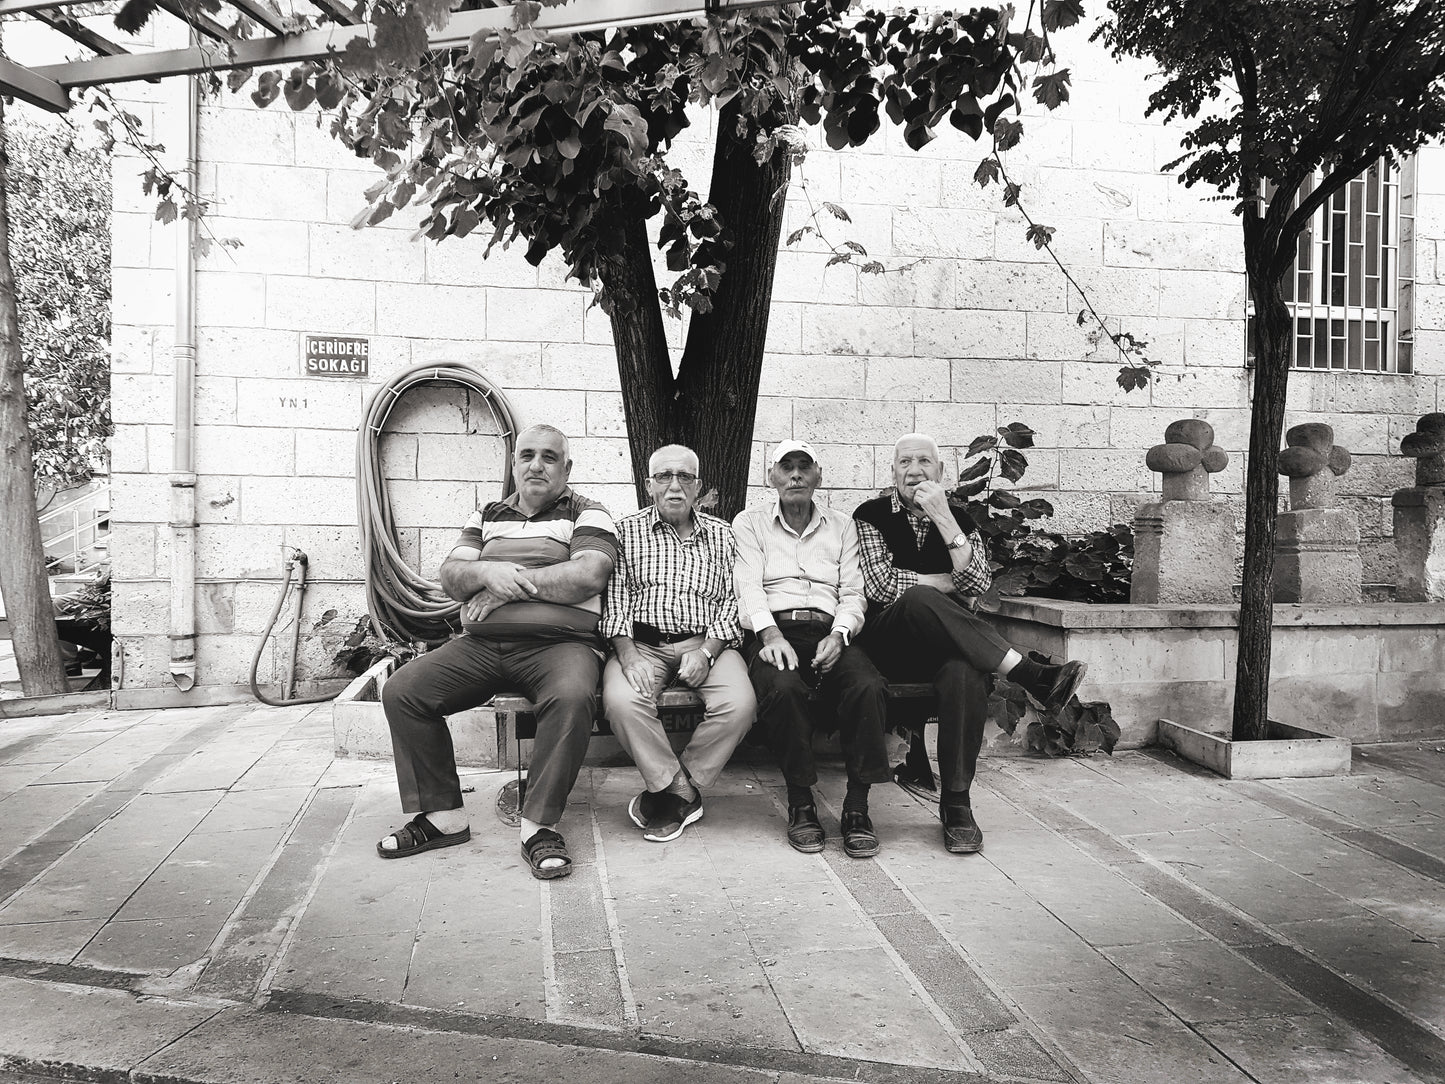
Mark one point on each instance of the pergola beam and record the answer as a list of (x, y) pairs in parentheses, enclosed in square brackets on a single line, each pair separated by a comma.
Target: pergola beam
[(202, 23), (337, 10), (259, 14), (29, 86), (78, 31), (574, 17)]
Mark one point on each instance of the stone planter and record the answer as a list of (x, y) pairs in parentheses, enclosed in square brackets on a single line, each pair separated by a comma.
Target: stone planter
[(1288, 752), (359, 727)]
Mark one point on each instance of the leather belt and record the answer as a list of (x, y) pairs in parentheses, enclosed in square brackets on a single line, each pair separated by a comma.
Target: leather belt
[(812, 617), (653, 636)]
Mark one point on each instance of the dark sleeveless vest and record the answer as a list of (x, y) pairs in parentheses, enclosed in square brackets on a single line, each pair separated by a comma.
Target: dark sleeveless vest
[(897, 531)]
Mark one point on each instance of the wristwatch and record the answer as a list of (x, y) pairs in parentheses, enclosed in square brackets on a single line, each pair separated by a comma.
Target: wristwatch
[(959, 541), (711, 658)]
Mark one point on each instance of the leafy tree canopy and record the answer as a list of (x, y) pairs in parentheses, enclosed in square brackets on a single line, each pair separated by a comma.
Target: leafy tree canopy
[(542, 140), (60, 248)]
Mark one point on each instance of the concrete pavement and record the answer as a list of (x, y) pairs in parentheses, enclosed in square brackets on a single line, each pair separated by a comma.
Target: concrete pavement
[(193, 895)]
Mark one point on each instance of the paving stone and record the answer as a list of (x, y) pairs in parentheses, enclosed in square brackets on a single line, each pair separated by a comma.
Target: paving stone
[(244, 810), (197, 879), (856, 1004), (1314, 1048), (1397, 963), (1114, 1031), (1360, 801), (372, 964), (101, 1029), (588, 990), (16, 777), (152, 945), (1204, 981), (57, 942), (33, 810)]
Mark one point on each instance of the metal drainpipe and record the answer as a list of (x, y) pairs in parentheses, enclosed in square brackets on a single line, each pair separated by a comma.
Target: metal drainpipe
[(183, 458)]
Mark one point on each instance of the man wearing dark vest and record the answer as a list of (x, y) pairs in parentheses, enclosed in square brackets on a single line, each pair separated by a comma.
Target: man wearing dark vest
[(922, 558)]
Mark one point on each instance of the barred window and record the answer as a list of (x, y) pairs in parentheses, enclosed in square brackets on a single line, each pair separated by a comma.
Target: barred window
[(1351, 288)]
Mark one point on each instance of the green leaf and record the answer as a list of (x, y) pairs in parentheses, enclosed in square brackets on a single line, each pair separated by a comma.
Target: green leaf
[(984, 443), (836, 211), (1012, 464), (1017, 435), (1052, 90), (1061, 14), (839, 257), (268, 87), (1040, 235), (986, 172), (974, 470), (166, 210)]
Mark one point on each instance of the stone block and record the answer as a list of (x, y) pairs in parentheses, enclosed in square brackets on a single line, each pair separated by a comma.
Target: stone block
[(334, 552), (964, 333), (840, 421), (455, 312), (1183, 554), (1214, 342), (1410, 704), (250, 136), (567, 410), (248, 190), (132, 551), (311, 500), (144, 660), (1026, 381), (132, 349), (929, 284), (785, 329), (1077, 513), (480, 458), (231, 449), (265, 246), (950, 424), (137, 609), (252, 352), (914, 379), (600, 459), (218, 498), (1060, 426), (1325, 650), (330, 453), (838, 377), (427, 504), (1204, 295), (853, 329), (1024, 287), (238, 551), (142, 297), (299, 403), (436, 408), (1340, 705), (1317, 557), (1374, 393), (1191, 388), (323, 305), (130, 241), (505, 365), (605, 414), (577, 366), (846, 466), (1119, 291), (215, 609), (1095, 380), (386, 256), (344, 188), (945, 232), (1078, 247), (140, 498), (805, 277), (1102, 469), (877, 179), (460, 261), (1419, 521), (1180, 246)]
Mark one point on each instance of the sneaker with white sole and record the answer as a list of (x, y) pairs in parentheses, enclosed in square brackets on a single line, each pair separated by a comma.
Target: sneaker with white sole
[(645, 806), (671, 817)]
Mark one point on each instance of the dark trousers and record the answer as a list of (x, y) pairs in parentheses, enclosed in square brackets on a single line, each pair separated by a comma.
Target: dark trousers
[(927, 636), (853, 689), (560, 678)]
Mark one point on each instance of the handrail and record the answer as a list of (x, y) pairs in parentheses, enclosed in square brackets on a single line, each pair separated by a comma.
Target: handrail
[(83, 545)]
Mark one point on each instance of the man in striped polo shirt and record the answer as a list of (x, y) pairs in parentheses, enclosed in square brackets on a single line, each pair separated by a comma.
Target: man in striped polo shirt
[(672, 616), (529, 571)]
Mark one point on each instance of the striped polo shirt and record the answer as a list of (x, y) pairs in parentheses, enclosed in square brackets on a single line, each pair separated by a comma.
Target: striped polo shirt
[(503, 532)]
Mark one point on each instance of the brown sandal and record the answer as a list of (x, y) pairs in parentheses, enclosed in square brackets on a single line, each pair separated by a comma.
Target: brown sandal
[(420, 834)]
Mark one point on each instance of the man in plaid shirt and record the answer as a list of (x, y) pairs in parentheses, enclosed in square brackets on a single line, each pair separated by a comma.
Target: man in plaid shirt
[(922, 559), (672, 616)]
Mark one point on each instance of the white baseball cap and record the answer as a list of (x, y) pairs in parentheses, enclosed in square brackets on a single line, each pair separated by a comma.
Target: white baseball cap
[(785, 448)]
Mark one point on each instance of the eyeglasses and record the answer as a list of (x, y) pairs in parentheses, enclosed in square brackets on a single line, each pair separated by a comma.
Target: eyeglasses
[(681, 477)]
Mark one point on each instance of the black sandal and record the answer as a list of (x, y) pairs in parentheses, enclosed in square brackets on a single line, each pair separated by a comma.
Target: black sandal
[(543, 845), (420, 834)]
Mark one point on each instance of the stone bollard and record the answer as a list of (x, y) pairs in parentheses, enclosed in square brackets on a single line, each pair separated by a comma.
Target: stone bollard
[(1317, 545), (1420, 515), (1184, 544)]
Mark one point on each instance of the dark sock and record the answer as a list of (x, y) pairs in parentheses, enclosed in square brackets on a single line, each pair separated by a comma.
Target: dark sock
[(954, 797), (1029, 673), (799, 795), (856, 800)]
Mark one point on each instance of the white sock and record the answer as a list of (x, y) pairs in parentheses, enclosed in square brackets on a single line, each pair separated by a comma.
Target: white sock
[(1011, 659), (530, 829)]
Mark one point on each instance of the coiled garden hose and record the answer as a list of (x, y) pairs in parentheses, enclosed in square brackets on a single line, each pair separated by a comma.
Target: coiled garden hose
[(404, 605), (296, 564)]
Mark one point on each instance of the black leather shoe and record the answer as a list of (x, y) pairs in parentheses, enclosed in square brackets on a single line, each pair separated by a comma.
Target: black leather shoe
[(1055, 694), (804, 832), (859, 840), (961, 833)]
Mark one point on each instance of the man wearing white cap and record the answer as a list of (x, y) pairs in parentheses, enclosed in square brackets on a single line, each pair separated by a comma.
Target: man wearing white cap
[(800, 590)]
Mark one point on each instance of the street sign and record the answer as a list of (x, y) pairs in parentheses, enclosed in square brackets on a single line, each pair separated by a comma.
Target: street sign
[(335, 355)]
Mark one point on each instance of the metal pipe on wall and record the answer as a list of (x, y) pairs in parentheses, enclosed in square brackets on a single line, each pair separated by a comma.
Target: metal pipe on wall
[(183, 458)]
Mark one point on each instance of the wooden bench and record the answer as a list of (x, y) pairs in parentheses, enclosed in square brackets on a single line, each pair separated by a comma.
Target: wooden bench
[(678, 708)]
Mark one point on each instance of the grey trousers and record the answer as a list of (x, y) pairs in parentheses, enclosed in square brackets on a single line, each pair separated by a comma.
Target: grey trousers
[(729, 707)]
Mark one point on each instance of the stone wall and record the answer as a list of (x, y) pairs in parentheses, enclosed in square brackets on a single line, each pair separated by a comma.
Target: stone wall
[(982, 332)]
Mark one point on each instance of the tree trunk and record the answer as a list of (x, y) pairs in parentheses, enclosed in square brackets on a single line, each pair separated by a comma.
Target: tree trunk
[(711, 404), (717, 382), (22, 557), (1261, 495)]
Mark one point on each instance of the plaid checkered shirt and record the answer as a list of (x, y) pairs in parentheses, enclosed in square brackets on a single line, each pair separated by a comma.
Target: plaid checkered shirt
[(674, 585), (884, 581)]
